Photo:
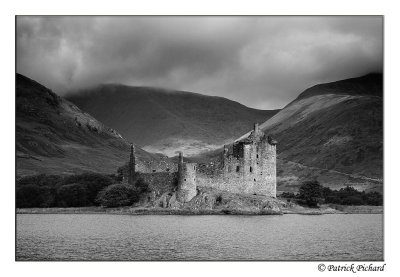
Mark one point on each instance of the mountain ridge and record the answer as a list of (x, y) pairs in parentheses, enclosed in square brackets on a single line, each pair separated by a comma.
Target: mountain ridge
[(170, 121), (350, 86), (54, 136), (331, 132)]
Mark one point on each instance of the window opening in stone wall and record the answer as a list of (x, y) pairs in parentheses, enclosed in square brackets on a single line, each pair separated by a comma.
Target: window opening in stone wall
[(257, 156), (154, 170), (251, 169), (184, 179), (254, 179), (237, 168)]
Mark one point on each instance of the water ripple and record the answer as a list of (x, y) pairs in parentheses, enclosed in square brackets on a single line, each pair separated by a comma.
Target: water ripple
[(124, 237)]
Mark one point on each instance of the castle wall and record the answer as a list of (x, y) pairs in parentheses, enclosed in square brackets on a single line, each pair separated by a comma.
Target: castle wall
[(163, 165), (160, 182), (187, 182), (248, 168), (265, 173)]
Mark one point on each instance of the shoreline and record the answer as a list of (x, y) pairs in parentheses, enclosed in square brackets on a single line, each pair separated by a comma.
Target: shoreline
[(325, 209)]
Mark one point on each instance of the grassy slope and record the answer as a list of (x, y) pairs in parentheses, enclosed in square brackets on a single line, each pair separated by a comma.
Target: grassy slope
[(165, 121), (54, 136), (335, 131), (331, 132)]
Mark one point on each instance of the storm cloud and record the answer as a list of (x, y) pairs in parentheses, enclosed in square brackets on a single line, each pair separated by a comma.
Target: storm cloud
[(260, 61)]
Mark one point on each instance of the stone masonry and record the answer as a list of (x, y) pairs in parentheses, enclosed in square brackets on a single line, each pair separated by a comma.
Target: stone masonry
[(187, 188), (247, 166)]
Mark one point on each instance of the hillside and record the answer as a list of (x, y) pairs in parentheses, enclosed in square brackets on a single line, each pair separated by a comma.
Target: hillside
[(370, 84), (331, 132), (54, 136), (167, 121)]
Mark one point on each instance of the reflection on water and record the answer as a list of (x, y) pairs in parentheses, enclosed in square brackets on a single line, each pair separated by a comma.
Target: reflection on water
[(152, 237)]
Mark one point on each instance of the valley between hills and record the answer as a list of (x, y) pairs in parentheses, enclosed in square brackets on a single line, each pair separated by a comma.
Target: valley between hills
[(331, 132)]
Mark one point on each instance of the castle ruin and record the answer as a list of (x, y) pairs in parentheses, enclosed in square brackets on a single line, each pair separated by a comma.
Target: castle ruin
[(187, 187), (247, 166), (132, 165)]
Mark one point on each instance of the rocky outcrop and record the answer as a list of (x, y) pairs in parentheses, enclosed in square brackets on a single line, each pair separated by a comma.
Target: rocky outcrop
[(212, 201), (167, 200)]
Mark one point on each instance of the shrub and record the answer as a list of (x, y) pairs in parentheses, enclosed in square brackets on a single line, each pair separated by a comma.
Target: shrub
[(311, 193), (347, 191), (117, 195), (29, 196), (72, 195), (49, 196), (288, 195), (352, 200), (326, 192), (34, 196), (141, 186), (94, 183), (334, 199), (114, 178), (351, 196), (374, 198)]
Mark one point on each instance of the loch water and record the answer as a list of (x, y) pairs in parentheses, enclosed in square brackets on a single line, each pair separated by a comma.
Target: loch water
[(107, 237)]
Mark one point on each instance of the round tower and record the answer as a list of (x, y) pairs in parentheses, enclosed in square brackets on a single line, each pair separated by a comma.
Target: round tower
[(186, 182)]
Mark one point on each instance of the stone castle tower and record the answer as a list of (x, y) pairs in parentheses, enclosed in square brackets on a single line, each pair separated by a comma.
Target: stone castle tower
[(249, 165), (132, 166), (187, 188)]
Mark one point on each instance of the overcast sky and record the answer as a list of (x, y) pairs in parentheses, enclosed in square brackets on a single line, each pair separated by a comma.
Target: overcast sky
[(262, 62)]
